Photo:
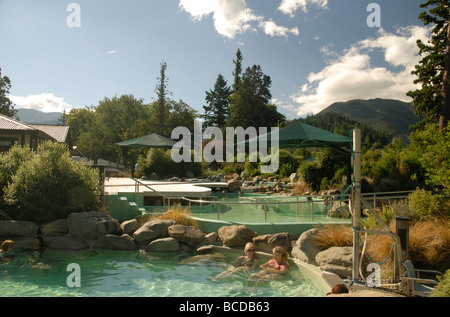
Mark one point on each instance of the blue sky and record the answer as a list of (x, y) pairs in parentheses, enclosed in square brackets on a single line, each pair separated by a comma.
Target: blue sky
[(316, 51)]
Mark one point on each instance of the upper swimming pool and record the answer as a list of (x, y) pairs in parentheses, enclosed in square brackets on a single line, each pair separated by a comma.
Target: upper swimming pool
[(264, 214)]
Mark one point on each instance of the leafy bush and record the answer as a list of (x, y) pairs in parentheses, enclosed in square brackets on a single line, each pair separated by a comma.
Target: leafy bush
[(425, 205), (50, 185), (286, 170), (443, 288), (329, 164), (160, 161), (9, 164)]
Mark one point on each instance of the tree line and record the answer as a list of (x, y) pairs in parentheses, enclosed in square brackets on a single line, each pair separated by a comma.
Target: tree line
[(96, 129)]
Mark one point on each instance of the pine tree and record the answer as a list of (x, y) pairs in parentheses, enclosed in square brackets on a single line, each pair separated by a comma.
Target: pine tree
[(237, 70), (6, 106), (249, 106), (162, 92), (217, 111), (432, 100)]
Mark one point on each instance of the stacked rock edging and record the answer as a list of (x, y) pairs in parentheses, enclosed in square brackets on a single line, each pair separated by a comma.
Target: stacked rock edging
[(337, 260)]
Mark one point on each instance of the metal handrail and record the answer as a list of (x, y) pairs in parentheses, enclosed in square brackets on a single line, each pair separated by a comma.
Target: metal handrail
[(387, 231)]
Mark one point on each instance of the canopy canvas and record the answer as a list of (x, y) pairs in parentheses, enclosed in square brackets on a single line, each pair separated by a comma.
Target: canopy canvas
[(152, 140), (304, 135)]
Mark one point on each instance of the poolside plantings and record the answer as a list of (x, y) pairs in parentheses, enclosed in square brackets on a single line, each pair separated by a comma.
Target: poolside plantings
[(45, 185)]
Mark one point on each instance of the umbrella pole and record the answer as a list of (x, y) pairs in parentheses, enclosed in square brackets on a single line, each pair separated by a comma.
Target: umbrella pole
[(356, 203)]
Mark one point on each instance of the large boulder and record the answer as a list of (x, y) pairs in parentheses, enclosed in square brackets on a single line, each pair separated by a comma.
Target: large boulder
[(336, 260), (92, 225), (293, 178), (10, 229), (211, 238), (236, 235), (130, 226), (153, 230), (234, 185), (164, 245), (305, 248), (192, 236), (267, 242), (339, 210), (68, 242), (113, 242), (55, 228)]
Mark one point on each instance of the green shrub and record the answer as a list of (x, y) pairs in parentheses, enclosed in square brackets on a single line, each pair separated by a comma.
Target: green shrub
[(160, 161), (311, 174), (10, 162), (425, 205), (443, 288), (51, 185), (286, 170)]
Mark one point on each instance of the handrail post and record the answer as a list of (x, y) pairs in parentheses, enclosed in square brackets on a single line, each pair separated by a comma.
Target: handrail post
[(402, 231), (265, 213), (356, 202)]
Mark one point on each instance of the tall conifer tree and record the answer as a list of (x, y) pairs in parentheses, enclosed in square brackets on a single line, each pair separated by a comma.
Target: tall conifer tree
[(217, 111), (432, 100)]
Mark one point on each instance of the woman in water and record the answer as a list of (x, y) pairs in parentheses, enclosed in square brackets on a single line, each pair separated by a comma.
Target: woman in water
[(275, 267), (243, 263), (5, 250)]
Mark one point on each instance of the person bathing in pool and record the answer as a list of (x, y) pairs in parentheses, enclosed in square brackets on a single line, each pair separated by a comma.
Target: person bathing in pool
[(275, 267), (242, 263)]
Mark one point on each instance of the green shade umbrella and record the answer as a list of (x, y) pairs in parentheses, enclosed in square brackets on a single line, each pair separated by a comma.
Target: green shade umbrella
[(304, 135), (152, 140)]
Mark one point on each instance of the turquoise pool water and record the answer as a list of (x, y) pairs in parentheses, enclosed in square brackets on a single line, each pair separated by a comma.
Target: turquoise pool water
[(279, 209), (125, 273)]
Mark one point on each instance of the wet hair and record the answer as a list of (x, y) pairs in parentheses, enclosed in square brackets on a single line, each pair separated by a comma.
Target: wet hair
[(41, 240), (7, 245), (338, 289), (248, 245), (281, 251)]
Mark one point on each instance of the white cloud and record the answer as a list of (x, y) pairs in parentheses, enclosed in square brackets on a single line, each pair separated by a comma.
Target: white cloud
[(45, 102), (352, 75), (111, 52), (270, 28), (233, 17), (291, 6)]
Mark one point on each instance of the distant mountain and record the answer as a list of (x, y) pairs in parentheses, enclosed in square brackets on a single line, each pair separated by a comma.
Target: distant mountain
[(32, 116), (390, 116)]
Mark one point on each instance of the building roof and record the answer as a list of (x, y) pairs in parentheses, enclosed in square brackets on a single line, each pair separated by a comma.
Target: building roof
[(7, 123), (14, 126), (58, 132)]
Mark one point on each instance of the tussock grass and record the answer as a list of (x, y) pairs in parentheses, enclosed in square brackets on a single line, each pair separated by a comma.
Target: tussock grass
[(333, 236), (181, 215), (429, 243)]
